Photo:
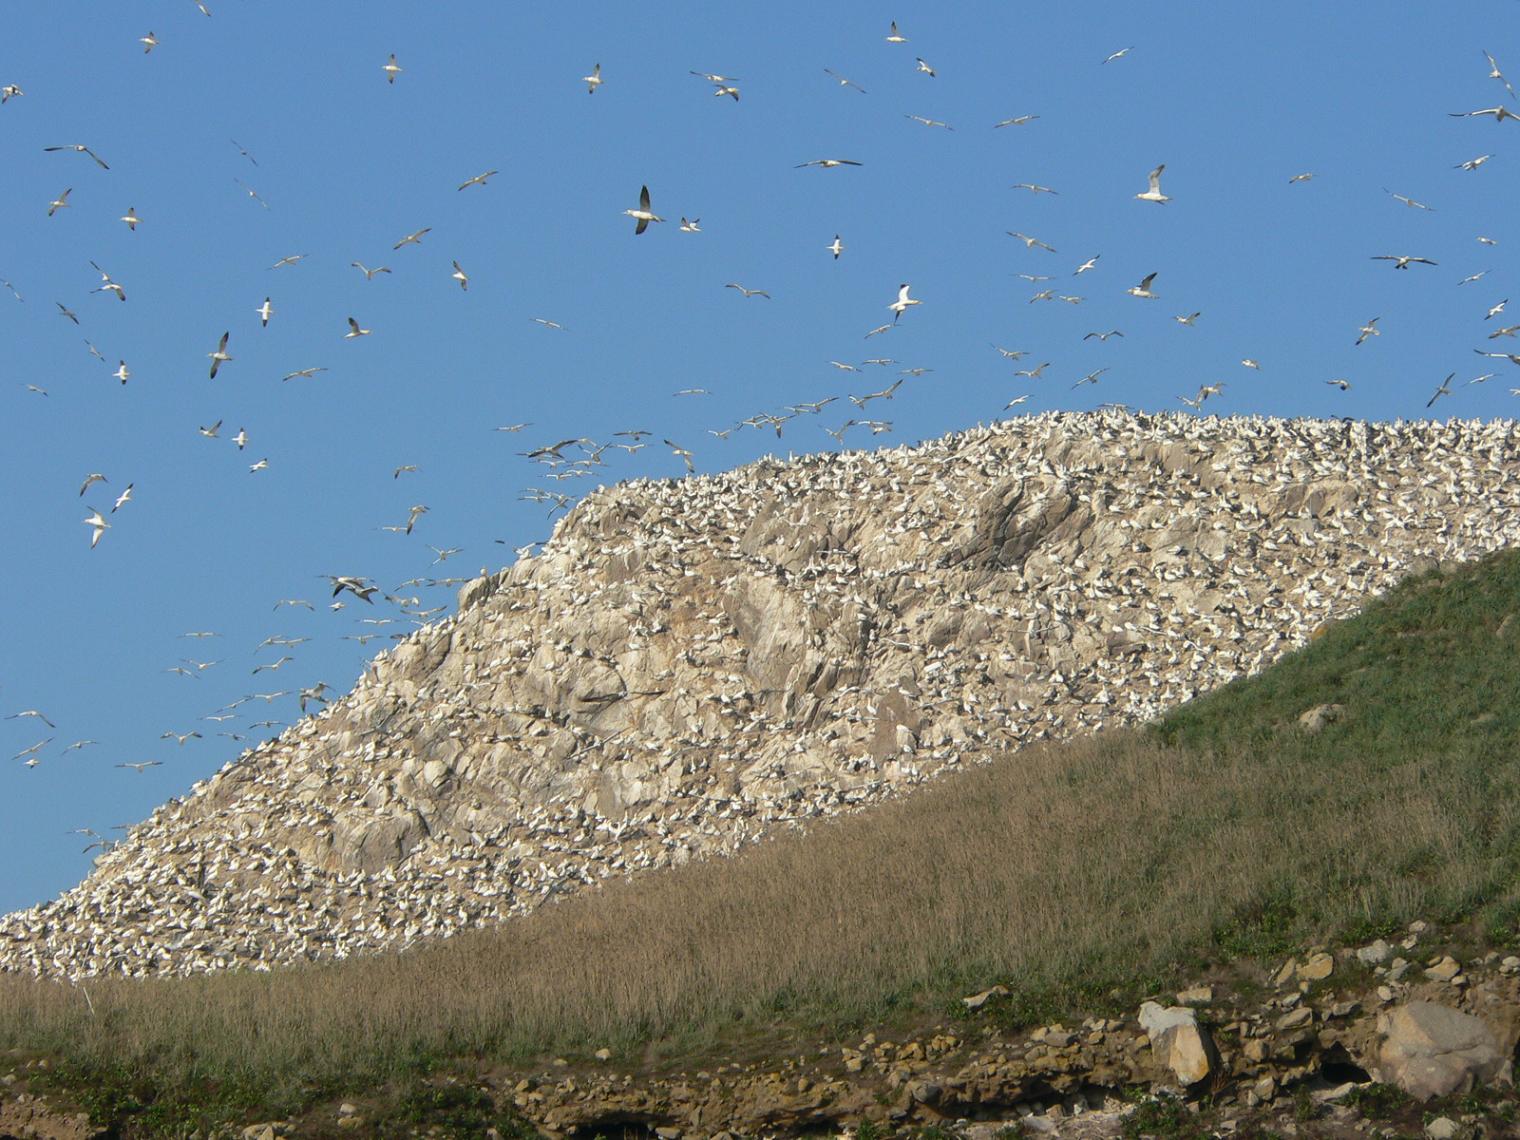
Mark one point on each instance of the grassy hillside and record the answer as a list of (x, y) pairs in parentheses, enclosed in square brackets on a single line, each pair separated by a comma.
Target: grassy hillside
[(1082, 876)]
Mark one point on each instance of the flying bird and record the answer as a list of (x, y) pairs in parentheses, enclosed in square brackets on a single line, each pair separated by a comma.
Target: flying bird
[(843, 82), (903, 302), (691, 225), (1016, 122), (369, 274), (149, 42), (1500, 113), (1120, 54), (90, 480), (1410, 202), (925, 68), (1473, 163), (1369, 329), (1030, 242), (354, 330), (60, 202), (1144, 288), (594, 80), (827, 163), (836, 247), (1400, 260), (265, 311), (219, 356), (1153, 193), (131, 218), (1443, 390), (391, 68), (748, 292), (478, 180), (643, 215), (1495, 73), (98, 521), (894, 36), (414, 238), (123, 499), (461, 276), (80, 148)]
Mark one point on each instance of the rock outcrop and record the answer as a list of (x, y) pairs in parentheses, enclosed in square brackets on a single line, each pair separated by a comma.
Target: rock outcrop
[(688, 665)]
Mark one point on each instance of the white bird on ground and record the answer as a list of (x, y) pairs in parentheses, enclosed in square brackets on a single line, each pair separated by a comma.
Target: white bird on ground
[(219, 355), (643, 215), (903, 302), (1153, 193), (1144, 288)]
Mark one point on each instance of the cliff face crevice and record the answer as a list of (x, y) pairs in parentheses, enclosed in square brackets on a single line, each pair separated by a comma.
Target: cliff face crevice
[(688, 665)]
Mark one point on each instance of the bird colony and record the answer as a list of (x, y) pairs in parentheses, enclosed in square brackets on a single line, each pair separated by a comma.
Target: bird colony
[(687, 666)]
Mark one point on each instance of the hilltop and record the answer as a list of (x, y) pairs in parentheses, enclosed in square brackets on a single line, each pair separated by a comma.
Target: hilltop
[(688, 666)]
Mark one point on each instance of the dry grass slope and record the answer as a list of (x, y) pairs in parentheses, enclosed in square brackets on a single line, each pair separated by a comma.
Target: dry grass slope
[(1082, 873)]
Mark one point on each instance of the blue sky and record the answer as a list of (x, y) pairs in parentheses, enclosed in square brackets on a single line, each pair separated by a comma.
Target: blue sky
[(1234, 100)]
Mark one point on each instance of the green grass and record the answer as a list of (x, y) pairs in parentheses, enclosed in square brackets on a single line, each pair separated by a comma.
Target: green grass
[(1083, 876)]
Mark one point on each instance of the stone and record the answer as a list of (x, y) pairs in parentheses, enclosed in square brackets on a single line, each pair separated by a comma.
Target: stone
[(1374, 953), (1443, 969), (1178, 1042), (1294, 1019), (1197, 995), (1430, 1050), (1314, 720), (1443, 1128), (603, 1054), (1317, 968)]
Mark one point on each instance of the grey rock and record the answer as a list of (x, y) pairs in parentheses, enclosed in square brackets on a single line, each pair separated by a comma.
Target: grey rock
[(1431, 1050)]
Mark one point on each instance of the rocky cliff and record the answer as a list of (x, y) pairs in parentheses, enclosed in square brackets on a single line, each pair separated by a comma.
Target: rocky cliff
[(690, 664)]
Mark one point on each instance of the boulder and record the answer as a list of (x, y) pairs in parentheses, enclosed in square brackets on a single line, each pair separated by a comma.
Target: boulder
[(1178, 1042), (1430, 1050)]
